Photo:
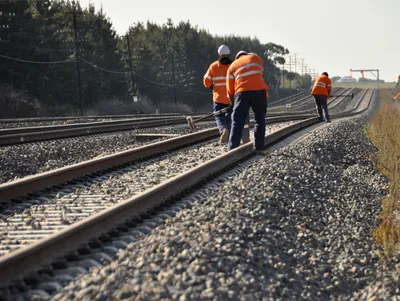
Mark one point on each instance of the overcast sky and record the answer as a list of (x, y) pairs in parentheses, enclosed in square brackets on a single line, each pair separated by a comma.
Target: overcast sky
[(331, 36)]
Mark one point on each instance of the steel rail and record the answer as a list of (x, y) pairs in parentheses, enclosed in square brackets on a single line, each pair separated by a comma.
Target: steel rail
[(45, 128), (43, 119)]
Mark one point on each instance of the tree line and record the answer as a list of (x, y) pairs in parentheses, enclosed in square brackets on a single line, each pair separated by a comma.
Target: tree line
[(66, 59)]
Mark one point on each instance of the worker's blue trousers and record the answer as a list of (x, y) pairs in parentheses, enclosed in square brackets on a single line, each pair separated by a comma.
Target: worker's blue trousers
[(224, 120), (321, 103), (257, 100)]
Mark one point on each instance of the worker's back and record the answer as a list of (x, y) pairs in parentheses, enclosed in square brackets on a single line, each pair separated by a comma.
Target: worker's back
[(246, 74), (216, 77), (322, 86)]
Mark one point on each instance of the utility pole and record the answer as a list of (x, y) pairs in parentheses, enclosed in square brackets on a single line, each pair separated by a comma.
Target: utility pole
[(290, 71), (130, 65), (77, 59), (295, 62), (302, 66)]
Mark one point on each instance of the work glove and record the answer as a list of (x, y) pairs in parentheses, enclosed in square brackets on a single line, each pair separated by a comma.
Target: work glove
[(230, 108)]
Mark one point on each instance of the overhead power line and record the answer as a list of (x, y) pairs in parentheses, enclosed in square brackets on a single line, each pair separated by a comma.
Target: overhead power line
[(126, 73), (141, 76), (38, 62)]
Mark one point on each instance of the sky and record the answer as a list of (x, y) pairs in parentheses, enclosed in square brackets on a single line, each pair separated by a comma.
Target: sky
[(331, 36)]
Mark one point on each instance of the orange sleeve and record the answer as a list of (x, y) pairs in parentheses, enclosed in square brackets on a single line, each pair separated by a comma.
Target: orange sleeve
[(230, 82), (207, 79)]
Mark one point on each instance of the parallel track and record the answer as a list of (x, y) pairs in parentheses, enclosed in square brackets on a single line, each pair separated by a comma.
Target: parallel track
[(35, 134), (15, 265)]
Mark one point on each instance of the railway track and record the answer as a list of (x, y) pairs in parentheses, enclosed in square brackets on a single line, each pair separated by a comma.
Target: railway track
[(34, 134), (302, 102), (306, 104), (14, 122), (118, 218), (43, 133)]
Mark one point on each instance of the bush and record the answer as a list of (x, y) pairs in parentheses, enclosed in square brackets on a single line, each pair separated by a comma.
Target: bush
[(17, 104)]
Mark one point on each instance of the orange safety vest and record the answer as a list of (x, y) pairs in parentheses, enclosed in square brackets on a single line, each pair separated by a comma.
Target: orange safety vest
[(246, 74), (216, 77), (322, 86)]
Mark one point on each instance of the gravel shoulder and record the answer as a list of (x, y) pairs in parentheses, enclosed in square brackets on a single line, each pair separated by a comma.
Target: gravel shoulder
[(296, 225)]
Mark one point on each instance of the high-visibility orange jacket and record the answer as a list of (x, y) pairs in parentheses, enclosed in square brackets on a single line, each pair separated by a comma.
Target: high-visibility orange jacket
[(216, 78), (246, 74), (322, 86)]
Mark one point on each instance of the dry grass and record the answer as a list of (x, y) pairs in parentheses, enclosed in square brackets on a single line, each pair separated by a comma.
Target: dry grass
[(384, 133)]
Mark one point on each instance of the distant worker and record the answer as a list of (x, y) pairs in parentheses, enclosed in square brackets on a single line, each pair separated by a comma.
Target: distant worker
[(321, 92), (215, 79), (246, 88)]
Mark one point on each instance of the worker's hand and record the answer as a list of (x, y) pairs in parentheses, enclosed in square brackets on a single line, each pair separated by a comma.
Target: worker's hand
[(232, 99), (230, 108)]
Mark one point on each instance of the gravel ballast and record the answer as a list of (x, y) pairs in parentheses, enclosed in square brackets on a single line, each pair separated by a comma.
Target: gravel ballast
[(296, 225)]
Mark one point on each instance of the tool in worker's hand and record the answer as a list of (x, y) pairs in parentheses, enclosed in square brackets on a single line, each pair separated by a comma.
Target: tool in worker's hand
[(343, 95), (192, 123)]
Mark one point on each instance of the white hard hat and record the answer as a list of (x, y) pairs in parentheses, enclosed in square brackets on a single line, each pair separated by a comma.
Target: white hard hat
[(223, 50), (241, 52)]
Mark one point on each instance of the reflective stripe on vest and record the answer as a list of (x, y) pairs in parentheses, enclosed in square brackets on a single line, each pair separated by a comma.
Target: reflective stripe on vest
[(219, 78), (249, 73), (320, 84), (246, 66)]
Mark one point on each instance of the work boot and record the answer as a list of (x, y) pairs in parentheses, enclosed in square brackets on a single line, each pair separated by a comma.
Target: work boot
[(224, 137), (328, 120)]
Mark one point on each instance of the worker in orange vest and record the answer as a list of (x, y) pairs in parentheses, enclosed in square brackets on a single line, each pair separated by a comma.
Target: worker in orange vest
[(246, 88), (215, 79), (321, 92)]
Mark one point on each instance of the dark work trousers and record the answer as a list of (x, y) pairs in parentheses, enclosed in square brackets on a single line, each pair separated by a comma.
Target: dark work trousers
[(246, 130), (257, 100), (321, 102), (224, 120)]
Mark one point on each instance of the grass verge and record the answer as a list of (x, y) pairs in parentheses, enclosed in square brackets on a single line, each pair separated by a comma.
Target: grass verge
[(383, 131)]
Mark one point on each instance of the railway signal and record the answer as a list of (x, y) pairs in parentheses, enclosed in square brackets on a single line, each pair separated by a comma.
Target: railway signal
[(374, 72)]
